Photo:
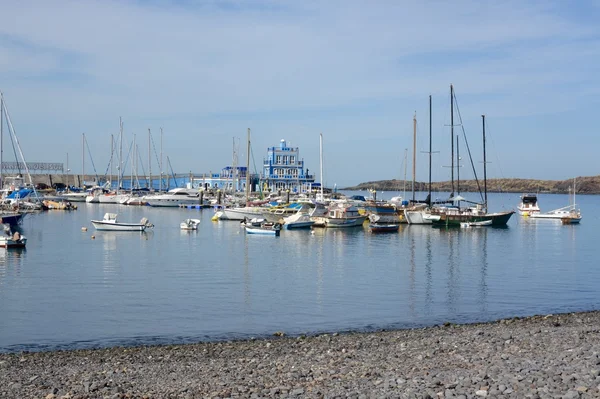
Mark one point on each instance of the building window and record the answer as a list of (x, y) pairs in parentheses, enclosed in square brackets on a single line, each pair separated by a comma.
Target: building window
[(292, 160), (285, 159), (278, 161)]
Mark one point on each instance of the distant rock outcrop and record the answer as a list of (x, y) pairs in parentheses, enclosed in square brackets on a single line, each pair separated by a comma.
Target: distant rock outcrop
[(585, 185)]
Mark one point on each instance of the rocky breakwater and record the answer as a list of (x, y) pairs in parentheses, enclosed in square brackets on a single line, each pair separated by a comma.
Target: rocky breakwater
[(538, 357)]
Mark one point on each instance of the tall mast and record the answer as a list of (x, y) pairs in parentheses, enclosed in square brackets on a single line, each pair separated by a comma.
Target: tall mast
[(457, 167), (452, 136), (120, 168), (321, 162), (414, 166), (83, 159), (112, 147), (430, 150), (161, 159), (248, 169), (149, 162), (405, 166), (485, 201), (134, 163)]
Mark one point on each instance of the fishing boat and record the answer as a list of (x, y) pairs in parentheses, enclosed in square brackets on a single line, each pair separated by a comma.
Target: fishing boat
[(344, 215), (110, 223), (174, 198), (15, 240), (383, 228), (528, 205), (189, 224)]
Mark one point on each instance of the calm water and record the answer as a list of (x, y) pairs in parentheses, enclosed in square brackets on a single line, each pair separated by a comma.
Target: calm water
[(67, 290)]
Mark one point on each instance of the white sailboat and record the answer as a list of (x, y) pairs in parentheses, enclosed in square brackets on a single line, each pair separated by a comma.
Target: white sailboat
[(569, 212)]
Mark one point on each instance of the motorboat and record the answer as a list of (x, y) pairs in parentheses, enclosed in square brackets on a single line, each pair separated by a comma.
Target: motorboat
[(110, 223), (174, 198), (15, 240), (528, 205), (299, 220), (241, 213), (190, 224)]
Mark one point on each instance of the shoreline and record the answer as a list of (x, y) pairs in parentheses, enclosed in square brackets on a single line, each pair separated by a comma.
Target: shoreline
[(536, 356)]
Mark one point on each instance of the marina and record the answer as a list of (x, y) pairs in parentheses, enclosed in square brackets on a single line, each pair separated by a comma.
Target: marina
[(216, 282)]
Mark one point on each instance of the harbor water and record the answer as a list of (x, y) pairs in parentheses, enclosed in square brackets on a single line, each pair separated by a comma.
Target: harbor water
[(82, 289)]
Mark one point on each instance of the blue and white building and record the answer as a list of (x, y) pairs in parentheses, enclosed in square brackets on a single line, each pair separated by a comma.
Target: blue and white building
[(284, 170)]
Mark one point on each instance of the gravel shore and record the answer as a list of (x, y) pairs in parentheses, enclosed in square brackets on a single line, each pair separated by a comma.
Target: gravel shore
[(554, 356)]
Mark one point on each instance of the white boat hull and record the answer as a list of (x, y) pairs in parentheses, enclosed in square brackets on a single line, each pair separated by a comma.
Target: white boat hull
[(345, 222), (260, 230), (417, 217), (108, 226), (241, 213)]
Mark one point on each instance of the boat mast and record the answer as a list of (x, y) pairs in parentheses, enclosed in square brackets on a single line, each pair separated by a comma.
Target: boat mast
[(457, 167), (161, 160), (248, 169), (485, 201), (414, 166), (430, 150), (112, 147), (452, 137), (83, 160), (120, 168), (405, 166), (149, 162), (321, 163)]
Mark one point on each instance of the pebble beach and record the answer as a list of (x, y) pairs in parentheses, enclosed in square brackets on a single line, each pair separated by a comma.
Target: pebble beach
[(550, 356)]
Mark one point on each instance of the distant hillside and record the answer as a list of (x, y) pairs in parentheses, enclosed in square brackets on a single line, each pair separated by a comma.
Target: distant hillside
[(585, 185)]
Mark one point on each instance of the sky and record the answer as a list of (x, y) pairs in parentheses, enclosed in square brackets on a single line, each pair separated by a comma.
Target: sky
[(355, 71)]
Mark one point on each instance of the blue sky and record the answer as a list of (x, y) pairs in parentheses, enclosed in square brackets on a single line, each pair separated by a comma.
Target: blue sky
[(356, 71)]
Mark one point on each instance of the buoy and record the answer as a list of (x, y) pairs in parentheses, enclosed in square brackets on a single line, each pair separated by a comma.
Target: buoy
[(93, 237), (84, 228), (215, 218)]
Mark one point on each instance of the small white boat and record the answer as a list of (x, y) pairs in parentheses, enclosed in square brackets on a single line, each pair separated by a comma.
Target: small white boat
[(110, 223), (255, 226), (15, 240), (476, 224), (190, 224)]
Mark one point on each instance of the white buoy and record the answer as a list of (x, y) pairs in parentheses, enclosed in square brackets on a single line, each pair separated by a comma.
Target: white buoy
[(84, 228), (93, 237)]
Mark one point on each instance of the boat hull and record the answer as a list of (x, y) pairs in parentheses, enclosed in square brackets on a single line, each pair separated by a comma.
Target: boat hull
[(108, 226), (345, 222), (262, 231), (298, 225), (384, 228), (497, 219), (9, 242), (417, 217), (11, 219)]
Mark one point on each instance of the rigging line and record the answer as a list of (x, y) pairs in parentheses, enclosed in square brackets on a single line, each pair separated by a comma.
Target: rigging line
[(468, 148), (157, 160), (122, 172), (141, 161), (110, 160), (254, 164), (172, 173), (92, 160)]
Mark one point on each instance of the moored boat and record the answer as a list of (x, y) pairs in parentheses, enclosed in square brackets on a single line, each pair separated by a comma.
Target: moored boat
[(110, 223), (342, 215), (189, 224), (259, 226), (528, 205), (383, 228), (300, 220), (14, 240)]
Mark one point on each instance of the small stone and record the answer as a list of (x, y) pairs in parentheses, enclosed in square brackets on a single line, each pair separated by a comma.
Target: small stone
[(482, 393), (297, 392), (50, 396), (581, 389)]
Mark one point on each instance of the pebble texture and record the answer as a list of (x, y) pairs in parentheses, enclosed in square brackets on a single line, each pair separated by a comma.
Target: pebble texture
[(554, 356)]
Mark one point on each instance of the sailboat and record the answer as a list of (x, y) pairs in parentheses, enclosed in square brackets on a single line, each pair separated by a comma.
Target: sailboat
[(477, 214), (568, 214), (420, 213)]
